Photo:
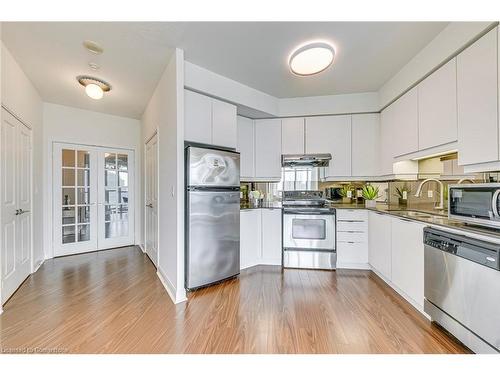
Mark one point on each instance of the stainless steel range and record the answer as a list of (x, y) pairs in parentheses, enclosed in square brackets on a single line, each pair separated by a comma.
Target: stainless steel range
[(308, 231)]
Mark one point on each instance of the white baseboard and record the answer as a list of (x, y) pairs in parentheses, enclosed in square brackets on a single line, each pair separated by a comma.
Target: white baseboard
[(408, 299), (1, 310), (353, 266), (37, 267), (171, 290), (141, 246)]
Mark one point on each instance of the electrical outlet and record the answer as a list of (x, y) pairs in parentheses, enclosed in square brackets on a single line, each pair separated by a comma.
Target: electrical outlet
[(430, 193)]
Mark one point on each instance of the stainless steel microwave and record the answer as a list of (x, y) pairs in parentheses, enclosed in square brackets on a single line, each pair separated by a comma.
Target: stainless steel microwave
[(475, 203)]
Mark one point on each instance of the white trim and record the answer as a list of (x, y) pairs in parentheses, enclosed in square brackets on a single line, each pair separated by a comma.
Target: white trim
[(141, 246), (353, 266), (37, 267), (169, 287)]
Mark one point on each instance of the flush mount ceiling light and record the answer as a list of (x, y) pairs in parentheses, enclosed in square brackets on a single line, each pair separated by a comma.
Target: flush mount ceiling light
[(94, 87), (311, 58), (93, 47)]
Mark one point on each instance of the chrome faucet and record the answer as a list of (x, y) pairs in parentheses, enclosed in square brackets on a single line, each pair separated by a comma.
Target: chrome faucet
[(462, 180), (441, 192)]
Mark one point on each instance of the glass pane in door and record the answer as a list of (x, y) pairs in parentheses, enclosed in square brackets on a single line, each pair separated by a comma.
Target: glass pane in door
[(75, 197), (116, 195)]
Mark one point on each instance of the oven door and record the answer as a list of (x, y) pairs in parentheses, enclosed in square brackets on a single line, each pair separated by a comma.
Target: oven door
[(475, 203), (309, 231)]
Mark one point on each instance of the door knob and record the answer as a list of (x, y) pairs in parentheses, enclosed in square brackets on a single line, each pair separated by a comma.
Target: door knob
[(18, 212), (150, 205)]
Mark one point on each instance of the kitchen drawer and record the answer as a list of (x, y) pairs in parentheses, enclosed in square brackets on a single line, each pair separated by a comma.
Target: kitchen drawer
[(349, 226), (353, 214), (352, 237), (349, 254)]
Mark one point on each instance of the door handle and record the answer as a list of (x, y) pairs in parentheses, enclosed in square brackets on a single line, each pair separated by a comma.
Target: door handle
[(150, 205), (17, 212), (21, 211)]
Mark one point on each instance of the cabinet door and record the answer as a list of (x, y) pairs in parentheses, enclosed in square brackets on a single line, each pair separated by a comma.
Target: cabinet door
[(386, 150), (331, 134), (405, 124), (292, 135), (408, 258), (365, 144), (250, 238), (268, 149), (271, 237), (379, 243), (437, 107), (477, 100), (245, 147), (197, 117), (223, 124)]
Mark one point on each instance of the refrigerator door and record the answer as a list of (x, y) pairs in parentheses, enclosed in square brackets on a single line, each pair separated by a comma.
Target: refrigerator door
[(207, 167), (213, 238)]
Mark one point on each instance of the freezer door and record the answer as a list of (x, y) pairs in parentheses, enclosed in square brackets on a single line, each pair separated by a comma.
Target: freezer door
[(207, 167), (213, 238)]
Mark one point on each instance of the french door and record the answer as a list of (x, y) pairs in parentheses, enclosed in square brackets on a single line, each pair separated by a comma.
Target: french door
[(151, 189), (93, 198), (15, 172)]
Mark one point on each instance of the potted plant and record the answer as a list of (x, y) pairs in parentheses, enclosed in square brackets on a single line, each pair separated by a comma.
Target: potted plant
[(402, 194), (346, 193), (370, 194)]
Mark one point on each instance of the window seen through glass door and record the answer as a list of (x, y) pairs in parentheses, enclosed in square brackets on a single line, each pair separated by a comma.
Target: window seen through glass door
[(116, 195)]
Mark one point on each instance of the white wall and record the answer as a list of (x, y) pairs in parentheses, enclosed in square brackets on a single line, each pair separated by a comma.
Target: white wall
[(446, 44), (22, 99), (165, 114), (73, 125)]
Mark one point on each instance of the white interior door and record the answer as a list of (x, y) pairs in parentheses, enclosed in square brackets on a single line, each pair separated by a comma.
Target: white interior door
[(151, 188), (93, 198), (116, 198), (15, 207), (75, 199)]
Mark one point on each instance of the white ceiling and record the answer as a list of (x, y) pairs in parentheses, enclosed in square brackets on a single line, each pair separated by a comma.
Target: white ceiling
[(255, 54)]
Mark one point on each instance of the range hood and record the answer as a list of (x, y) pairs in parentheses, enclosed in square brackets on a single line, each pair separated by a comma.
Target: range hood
[(306, 160)]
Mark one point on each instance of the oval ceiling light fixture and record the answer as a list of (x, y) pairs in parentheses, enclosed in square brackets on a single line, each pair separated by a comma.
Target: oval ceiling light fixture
[(93, 47), (311, 58), (94, 87)]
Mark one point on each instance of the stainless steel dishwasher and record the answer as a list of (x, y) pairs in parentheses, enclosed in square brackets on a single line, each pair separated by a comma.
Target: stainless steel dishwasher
[(462, 288)]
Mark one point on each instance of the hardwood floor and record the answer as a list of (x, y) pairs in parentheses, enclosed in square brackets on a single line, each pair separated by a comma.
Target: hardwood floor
[(112, 302)]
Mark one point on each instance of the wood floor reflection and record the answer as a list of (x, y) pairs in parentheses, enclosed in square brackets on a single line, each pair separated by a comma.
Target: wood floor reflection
[(112, 302)]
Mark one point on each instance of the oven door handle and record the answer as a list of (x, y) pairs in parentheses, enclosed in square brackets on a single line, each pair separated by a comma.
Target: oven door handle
[(494, 204), (298, 212)]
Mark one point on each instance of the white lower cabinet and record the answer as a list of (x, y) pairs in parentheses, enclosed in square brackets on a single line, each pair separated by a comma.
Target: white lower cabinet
[(271, 236), (352, 239), (260, 237), (408, 258), (379, 243), (250, 238)]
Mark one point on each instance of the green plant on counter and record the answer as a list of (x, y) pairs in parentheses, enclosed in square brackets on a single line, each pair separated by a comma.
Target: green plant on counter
[(344, 190), (401, 190), (370, 193)]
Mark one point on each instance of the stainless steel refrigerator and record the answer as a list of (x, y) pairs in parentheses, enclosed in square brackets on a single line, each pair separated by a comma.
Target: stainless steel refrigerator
[(212, 216)]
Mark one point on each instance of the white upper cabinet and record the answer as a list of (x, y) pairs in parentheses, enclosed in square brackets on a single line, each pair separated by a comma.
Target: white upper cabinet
[(197, 117), (477, 100), (268, 149), (223, 124), (331, 134), (246, 147), (292, 136), (209, 121), (405, 126), (365, 144), (437, 107), (408, 258), (386, 152)]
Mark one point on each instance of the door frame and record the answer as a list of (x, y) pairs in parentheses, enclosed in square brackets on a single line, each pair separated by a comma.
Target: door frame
[(3, 108), (146, 141), (50, 193)]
